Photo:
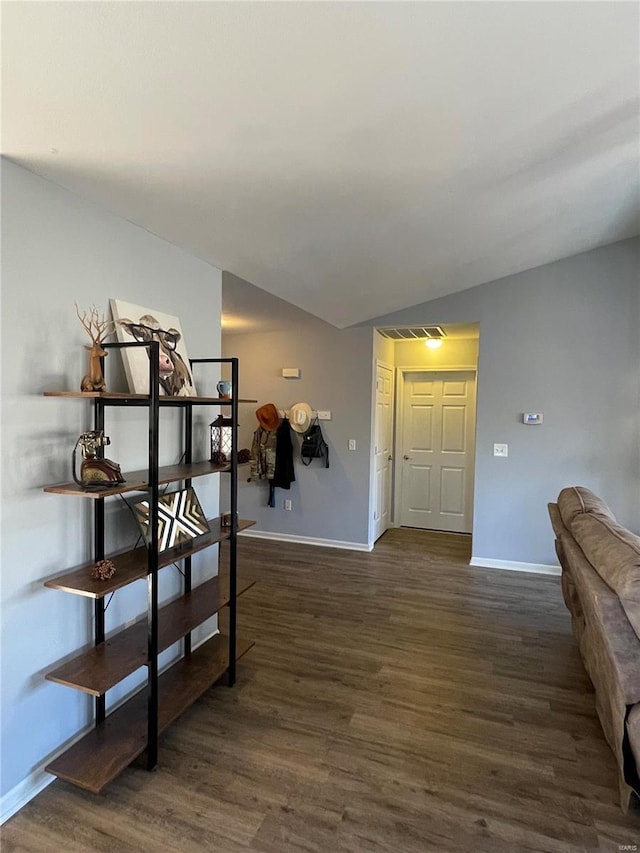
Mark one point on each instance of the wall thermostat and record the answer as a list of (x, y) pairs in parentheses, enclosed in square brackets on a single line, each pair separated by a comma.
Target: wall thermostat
[(532, 418), (291, 372)]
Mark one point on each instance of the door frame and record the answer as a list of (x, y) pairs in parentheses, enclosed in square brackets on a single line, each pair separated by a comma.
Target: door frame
[(399, 424), (378, 362)]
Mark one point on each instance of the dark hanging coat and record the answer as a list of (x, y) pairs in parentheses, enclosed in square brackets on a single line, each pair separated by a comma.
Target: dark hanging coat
[(284, 473)]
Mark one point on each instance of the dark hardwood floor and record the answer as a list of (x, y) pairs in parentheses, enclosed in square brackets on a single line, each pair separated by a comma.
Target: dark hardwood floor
[(394, 702)]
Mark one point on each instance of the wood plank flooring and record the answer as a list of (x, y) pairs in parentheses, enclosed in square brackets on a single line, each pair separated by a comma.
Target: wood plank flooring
[(394, 702)]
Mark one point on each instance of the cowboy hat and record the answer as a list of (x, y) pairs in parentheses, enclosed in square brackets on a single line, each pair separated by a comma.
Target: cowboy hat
[(268, 417), (300, 416)]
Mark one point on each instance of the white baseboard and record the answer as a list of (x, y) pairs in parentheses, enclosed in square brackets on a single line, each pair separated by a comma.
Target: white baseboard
[(38, 779), (24, 791), (307, 540), (513, 566)]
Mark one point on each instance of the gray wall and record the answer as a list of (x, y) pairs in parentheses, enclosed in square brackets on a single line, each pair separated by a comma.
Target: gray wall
[(57, 248), (563, 339), (336, 374)]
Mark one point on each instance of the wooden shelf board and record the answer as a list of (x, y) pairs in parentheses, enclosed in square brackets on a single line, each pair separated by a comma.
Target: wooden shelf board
[(138, 481), (95, 395), (216, 534), (132, 565), (100, 668), (165, 400), (104, 752)]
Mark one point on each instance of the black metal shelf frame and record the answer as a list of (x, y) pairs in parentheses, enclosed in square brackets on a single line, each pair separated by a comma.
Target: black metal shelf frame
[(153, 403), (233, 501)]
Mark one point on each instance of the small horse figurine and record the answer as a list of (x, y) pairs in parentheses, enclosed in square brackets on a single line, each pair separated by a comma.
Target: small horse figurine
[(98, 329)]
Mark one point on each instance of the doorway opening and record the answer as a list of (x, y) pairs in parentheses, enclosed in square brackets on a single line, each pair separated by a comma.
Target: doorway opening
[(424, 424)]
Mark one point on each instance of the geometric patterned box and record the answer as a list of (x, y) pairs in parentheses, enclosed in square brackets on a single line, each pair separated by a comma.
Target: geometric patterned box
[(180, 518)]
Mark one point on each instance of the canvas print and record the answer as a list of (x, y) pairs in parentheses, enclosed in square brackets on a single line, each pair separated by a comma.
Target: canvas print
[(180, 518), (137, 323)]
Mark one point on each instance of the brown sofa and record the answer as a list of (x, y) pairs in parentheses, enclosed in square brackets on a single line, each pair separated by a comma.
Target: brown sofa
[(601, 586)]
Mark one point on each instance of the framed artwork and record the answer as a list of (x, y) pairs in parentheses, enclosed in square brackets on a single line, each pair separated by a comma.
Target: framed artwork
[(180, 518), (137, 323)]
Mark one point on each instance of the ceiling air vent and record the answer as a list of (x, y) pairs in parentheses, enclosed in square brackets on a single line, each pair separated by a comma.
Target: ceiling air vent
[(409, 333)]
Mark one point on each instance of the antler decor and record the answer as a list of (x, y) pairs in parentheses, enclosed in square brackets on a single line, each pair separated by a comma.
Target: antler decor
[(98, 330)]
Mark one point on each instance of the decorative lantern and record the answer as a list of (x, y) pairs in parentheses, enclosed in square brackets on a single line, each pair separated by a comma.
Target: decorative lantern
[(220, 440)]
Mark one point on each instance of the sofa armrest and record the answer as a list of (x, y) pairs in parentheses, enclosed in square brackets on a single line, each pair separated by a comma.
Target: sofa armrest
[(556, 520)]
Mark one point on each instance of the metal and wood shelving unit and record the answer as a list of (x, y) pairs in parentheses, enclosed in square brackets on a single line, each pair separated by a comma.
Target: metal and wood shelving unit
[(134, 727)]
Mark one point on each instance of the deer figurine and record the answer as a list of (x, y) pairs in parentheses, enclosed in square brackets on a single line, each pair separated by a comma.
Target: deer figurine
[(98, 330)]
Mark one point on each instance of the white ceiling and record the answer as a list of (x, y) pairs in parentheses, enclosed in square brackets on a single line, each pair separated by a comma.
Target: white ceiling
[(351, 158)]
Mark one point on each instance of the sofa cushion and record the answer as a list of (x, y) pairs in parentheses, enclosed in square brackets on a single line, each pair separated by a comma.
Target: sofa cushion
[(576, 500), (608, 643), (614, 553)]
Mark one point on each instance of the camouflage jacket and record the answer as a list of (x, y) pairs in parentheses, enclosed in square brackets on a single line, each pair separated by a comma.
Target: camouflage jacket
[(263, 454)]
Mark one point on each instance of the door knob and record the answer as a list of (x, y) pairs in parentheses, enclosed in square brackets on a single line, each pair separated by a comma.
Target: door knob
[(406, 457), (389, 458)]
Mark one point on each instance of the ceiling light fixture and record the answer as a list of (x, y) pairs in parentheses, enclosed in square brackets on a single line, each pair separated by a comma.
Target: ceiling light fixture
[(433, 343)]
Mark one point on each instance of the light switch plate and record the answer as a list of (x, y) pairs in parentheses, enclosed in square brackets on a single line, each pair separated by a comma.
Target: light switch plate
[(500, 449)]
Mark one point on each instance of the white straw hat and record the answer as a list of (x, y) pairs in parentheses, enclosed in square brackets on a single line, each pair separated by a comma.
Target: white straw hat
[(300, 416)]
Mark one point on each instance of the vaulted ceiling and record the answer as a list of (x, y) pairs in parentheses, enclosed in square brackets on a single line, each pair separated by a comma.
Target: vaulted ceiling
[(350, 158)]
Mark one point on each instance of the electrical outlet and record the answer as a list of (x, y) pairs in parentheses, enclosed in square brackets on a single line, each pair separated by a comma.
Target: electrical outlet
[(352, 444), (324, 416), (288, 505), (501, 450)]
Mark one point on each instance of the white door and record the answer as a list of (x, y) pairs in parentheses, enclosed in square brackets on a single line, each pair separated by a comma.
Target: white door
[(438, 434), (382, 450)]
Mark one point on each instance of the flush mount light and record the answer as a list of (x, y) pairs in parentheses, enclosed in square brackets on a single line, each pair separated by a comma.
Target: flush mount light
[(433, 343)]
